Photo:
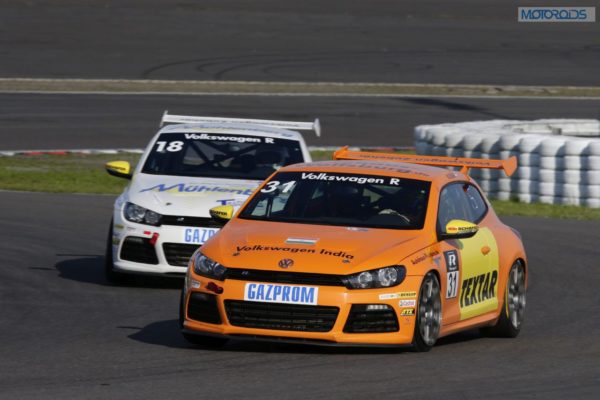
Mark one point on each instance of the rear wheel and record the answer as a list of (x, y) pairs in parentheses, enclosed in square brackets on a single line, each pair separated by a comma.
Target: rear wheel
[(429, 313), (511, 317), (111, 275)]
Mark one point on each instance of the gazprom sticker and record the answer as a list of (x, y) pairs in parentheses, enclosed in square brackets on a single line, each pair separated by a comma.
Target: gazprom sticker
[(286, 294), (198, 235)]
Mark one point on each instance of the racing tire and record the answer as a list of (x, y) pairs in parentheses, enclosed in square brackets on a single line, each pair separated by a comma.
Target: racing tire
[(511, 317), (112, 276), (429, 314), (198, 340)]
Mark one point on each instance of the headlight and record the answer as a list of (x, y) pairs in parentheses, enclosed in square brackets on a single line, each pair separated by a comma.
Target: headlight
[(141, 215), (377, 278), (207, 267)]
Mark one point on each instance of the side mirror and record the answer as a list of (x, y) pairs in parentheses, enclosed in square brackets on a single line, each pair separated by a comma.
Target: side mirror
[(221, 213), (120, 169), (459, 229)]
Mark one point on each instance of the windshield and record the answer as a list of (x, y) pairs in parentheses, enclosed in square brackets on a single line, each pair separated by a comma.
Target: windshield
[(341, 199), (220, 155)]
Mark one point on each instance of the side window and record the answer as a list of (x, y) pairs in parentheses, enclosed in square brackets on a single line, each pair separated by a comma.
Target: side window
[(454, 205), (460, 201), (476, 203)]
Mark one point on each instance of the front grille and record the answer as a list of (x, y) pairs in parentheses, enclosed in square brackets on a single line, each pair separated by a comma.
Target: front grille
[(286, 317), (203, 307), (178, 254), (138, 249), (301, 278), (362, 320), (178, 220)]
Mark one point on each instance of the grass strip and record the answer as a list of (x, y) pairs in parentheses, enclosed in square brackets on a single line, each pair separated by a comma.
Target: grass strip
[(81, 173)]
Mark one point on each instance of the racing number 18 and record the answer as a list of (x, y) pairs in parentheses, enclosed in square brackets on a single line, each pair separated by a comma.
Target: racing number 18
[(171, 147)]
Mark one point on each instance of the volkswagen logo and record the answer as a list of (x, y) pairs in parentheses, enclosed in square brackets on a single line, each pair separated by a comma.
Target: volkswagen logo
[(286, 263)]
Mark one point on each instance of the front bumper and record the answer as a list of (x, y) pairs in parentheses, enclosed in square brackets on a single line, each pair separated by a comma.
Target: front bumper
[(224, 324), (163, 250)]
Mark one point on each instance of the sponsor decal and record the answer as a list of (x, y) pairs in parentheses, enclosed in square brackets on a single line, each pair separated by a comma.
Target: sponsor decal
[(355, 229), (452, 267), (424, 256), (455, 229), (195, 284), (385, 167), (399, 295), (285, 263), (342, 178), (198, 235), (478, 288), (407, 303), (287, 294), (116, 240), (301, 241), (230, 202), (325, 252), (407, 311), (119, 227), (227, 138), (193, 188)]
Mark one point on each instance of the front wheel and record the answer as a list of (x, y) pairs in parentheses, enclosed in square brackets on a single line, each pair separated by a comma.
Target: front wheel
[(511, 317), (429, 314)]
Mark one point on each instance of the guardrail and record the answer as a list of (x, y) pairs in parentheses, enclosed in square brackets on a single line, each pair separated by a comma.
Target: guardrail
[(559, 159)]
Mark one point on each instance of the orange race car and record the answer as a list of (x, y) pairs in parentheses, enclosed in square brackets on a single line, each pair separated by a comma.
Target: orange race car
[(371, 249)]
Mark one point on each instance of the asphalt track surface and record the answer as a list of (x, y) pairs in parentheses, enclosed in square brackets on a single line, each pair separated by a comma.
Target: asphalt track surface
[(54, 121), (425, 41), (65, 333)]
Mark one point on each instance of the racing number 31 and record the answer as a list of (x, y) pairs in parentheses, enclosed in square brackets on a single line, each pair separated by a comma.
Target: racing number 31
[(273, 185)]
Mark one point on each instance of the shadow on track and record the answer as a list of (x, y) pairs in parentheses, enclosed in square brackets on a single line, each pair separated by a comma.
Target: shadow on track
[(166, 333), (453, 105), (90, 269)]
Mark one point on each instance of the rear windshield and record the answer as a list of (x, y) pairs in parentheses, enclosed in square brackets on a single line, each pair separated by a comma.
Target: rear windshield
[(324, 198), (220, 155)]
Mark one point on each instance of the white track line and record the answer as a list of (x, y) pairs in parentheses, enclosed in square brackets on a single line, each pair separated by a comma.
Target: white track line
[(261, 94), (140, 87)]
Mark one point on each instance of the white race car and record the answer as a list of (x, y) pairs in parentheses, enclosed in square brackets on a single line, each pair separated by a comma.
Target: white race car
[(190, 166)]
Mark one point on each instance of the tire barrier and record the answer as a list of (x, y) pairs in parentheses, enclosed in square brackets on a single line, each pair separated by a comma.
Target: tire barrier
[(559, 159)]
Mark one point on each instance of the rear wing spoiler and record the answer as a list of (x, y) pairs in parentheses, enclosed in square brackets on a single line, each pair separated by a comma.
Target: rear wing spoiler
[(509, 166), (187, 119)]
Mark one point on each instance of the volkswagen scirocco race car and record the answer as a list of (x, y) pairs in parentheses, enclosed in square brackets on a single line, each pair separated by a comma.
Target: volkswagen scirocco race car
[(370, 249), (191, 165)]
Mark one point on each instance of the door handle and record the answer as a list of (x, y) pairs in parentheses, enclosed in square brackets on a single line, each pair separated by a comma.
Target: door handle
[(485, 250)]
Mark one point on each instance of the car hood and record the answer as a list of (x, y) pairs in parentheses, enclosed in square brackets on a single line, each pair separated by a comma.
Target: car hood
[(178, 195), (312, 248)]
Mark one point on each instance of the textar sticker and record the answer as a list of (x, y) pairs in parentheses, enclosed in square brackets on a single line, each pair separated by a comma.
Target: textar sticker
[(478, 288), (452, 268), (408, 311)]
